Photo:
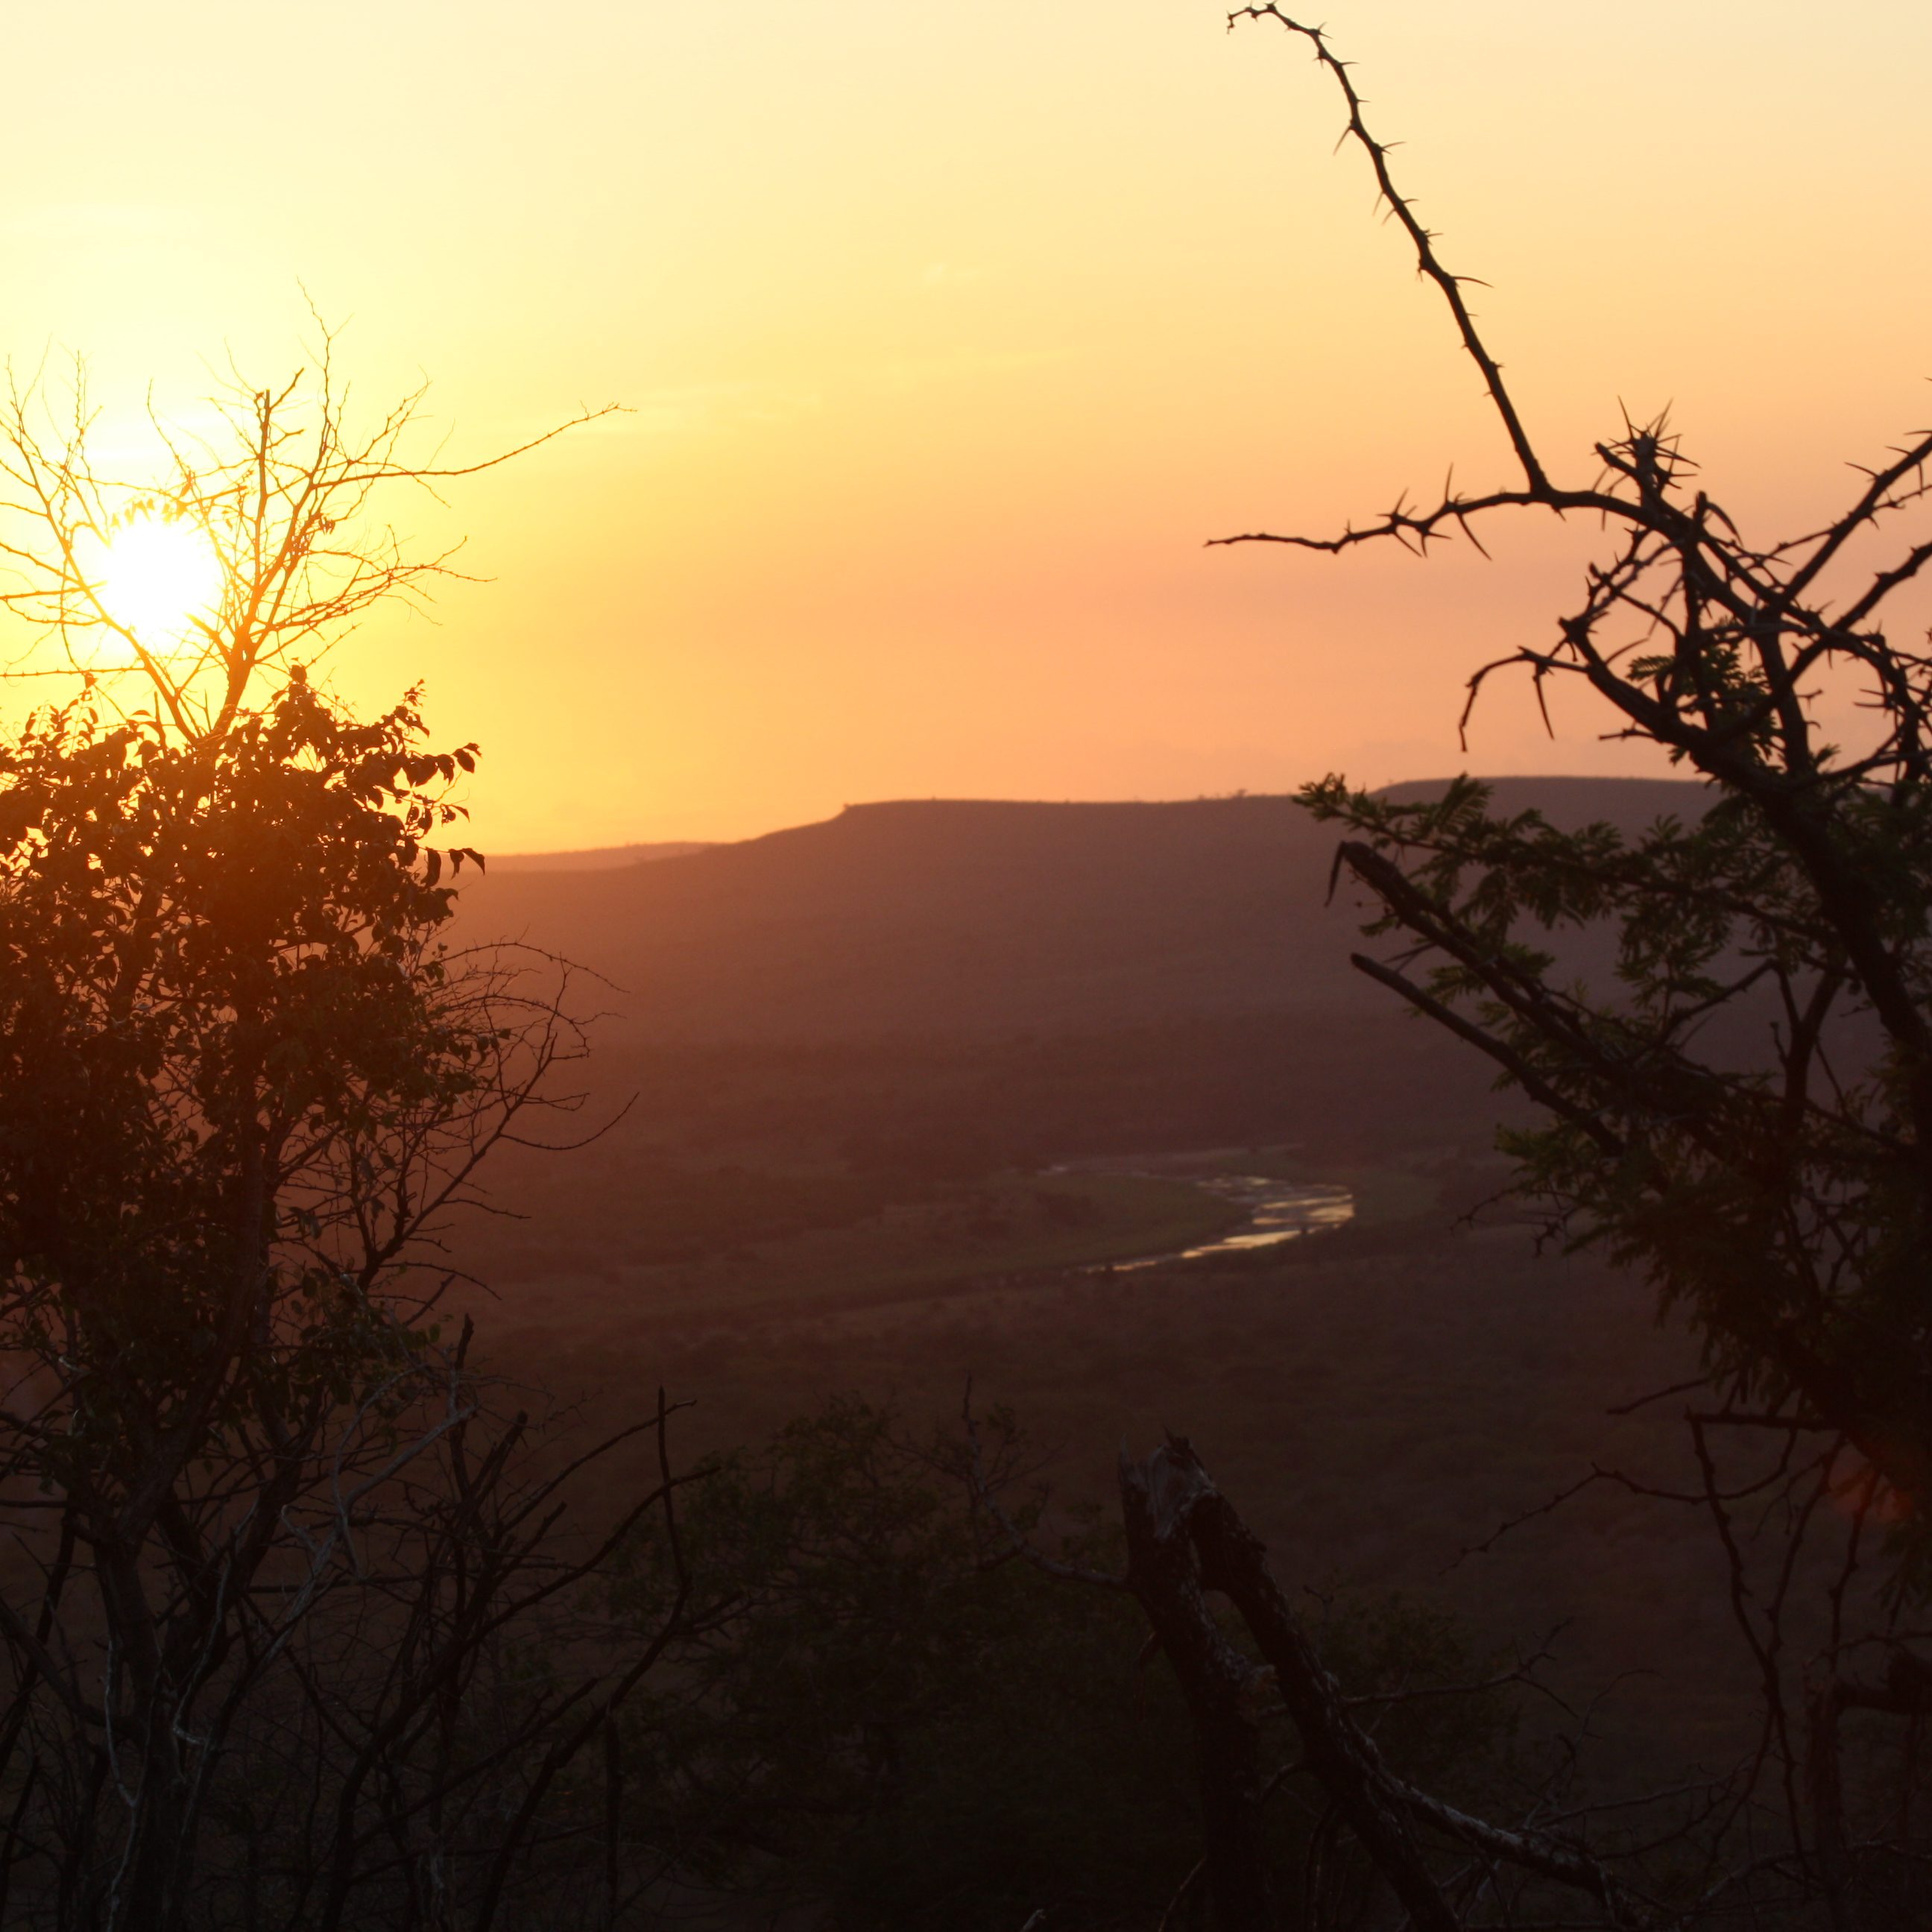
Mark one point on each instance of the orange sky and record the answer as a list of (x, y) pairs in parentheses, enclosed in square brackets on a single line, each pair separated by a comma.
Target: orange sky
[(949, 333)]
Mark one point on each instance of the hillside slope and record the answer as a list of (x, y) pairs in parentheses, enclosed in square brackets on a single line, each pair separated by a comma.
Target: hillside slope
[(946, 918)]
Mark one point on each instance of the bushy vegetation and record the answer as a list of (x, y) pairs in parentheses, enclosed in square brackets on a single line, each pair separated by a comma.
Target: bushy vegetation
[(887, 1716), (271, 1553)]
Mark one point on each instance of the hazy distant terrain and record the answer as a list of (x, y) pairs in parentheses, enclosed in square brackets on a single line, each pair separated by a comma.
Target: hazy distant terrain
[(854, 1050), (943, 918), (595, 859), (841, 1023), (948, 918), (936, 984)]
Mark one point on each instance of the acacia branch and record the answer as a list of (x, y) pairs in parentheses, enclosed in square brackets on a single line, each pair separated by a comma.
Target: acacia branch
[(1421, 239)]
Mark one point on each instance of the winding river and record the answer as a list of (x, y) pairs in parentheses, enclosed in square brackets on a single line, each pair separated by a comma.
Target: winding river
[(1278, 1211)]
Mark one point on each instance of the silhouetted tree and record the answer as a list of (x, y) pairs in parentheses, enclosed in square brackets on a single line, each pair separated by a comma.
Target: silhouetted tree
[(1743, 1111), (279, 1623)]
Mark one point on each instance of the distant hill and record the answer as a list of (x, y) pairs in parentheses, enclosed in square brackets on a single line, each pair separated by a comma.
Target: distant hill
[(913, 993), (949, 916), (932, 918), (595, 858)]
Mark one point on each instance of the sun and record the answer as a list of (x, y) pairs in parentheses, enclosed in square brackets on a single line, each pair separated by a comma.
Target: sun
[(154, 578)]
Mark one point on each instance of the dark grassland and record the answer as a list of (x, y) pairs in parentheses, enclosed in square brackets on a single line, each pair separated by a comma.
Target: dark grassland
[(819, 1211), (1379, 1399)]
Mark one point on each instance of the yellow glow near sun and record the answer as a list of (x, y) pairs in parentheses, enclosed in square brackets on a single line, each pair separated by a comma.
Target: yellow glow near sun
[(155, 578)]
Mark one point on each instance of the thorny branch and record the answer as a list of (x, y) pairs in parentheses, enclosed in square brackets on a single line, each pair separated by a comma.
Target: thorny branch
[(1739, 1103)]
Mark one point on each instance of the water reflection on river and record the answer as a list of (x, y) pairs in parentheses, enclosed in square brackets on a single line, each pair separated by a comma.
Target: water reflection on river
[(1278, 1211)]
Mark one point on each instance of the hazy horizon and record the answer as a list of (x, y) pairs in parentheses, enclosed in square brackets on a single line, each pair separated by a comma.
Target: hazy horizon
[(618, 848)]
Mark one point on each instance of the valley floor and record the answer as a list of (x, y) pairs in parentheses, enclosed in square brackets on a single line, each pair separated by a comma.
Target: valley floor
[(1377, 1399)]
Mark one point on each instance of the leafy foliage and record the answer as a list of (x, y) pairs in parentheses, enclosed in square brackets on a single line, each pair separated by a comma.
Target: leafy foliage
[(222, 1016), (1728, 1112)]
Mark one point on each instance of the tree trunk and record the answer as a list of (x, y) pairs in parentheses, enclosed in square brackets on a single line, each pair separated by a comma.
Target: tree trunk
[(1163, 1571)]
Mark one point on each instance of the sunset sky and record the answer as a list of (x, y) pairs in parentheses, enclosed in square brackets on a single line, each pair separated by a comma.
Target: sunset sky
[(949, 334)]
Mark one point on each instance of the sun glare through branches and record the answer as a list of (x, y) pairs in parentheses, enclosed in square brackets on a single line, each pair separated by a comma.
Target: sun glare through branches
[(156, 578)]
